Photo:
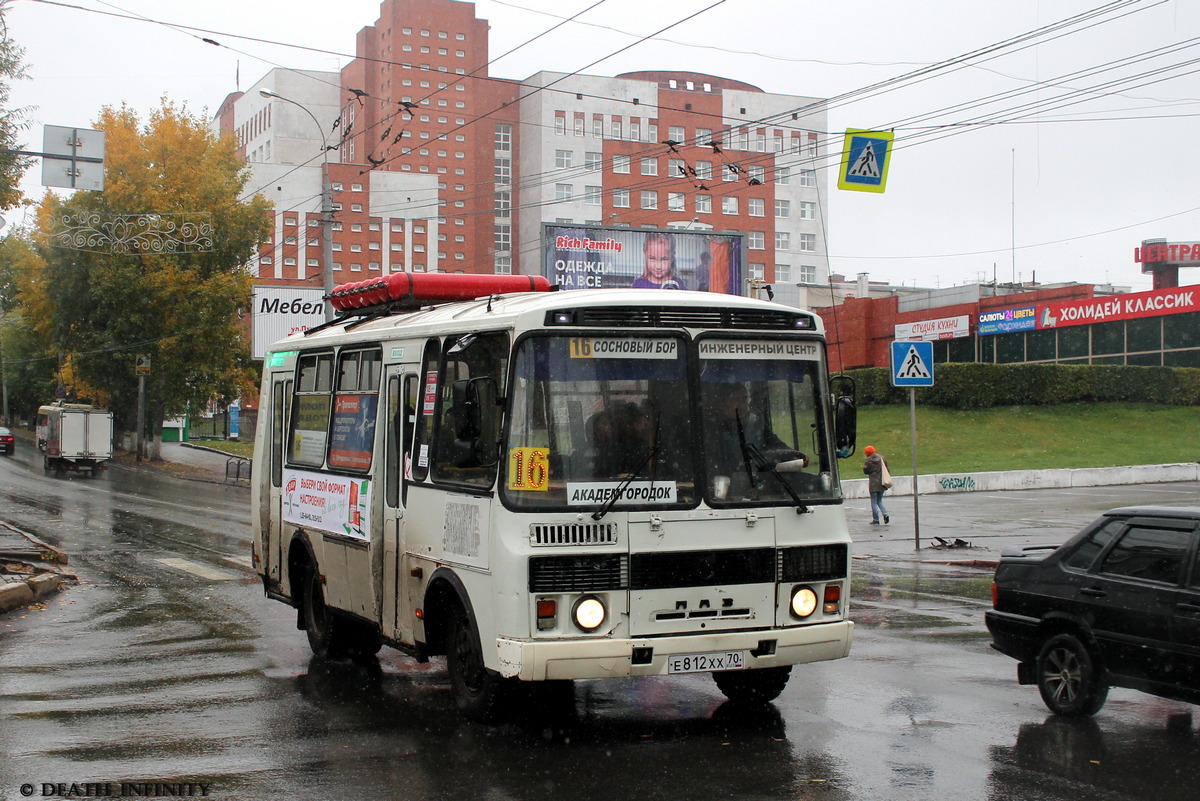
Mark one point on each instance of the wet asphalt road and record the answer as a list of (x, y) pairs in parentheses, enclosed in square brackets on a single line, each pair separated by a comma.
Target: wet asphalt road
[(166, 664)]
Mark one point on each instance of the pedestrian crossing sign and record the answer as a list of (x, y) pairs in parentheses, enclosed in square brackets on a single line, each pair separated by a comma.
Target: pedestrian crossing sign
[(866, 156), (912, 364)]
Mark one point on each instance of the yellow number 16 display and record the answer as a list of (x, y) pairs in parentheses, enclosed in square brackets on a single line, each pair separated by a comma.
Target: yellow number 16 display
[(529, 469)]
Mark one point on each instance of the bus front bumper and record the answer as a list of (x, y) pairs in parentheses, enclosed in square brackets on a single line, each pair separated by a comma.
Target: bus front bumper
[(615, 658)]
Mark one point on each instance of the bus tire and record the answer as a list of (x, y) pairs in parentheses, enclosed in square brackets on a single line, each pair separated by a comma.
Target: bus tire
[(319, 623), (478, 692), (759, 686)]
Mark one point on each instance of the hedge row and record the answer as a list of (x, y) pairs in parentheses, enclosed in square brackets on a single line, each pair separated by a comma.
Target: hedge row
[(971, 385)]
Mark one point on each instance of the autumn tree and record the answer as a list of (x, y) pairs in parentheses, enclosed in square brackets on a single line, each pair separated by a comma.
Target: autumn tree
[(12, 121), (148, 286)]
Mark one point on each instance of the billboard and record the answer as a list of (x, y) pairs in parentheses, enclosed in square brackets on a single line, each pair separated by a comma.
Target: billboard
[(598, 257), (1155, 303), (278, 311), (944, 328)]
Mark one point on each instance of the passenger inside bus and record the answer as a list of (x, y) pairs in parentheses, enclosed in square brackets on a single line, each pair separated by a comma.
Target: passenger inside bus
[(738, 442), (620, 439)]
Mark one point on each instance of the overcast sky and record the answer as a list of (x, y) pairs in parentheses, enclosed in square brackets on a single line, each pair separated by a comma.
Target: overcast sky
[(1063, 190)]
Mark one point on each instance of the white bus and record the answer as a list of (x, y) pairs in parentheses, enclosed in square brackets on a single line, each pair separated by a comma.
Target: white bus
[(548, 486)]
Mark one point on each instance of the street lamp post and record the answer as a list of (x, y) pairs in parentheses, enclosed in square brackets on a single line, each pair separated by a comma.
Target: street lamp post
[(326, 201)]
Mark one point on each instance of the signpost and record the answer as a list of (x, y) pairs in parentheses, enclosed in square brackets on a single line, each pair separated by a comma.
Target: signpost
[(912, 367), (866, 156)]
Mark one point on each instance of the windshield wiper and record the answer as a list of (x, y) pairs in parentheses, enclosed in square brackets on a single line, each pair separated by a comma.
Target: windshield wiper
[(753, 457), (611, 502), (763, 463)]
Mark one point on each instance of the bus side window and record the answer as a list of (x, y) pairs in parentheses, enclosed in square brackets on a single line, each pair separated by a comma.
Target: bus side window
[(468, 425), (280, 392), (419, 455), (393, 443)]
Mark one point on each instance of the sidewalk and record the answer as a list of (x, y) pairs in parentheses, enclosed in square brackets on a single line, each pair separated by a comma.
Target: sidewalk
[(29, 568)]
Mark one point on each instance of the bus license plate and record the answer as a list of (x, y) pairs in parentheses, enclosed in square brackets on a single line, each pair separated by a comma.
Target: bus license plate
[(702, 663)]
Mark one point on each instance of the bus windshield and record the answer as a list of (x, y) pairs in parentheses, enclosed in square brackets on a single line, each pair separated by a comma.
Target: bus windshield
[(601, 422)]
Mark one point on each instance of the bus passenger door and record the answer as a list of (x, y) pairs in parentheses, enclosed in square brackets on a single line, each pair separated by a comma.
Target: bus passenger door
[(401, 407), (273, 550)]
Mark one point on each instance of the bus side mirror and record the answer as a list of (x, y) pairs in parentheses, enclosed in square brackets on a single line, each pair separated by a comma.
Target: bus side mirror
[(845, 416), (469, 398)]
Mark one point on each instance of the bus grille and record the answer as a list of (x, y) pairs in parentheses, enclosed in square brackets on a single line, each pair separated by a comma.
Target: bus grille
[(573, 534), (683, 317), (655, 571), (813, 563), (593, 573)]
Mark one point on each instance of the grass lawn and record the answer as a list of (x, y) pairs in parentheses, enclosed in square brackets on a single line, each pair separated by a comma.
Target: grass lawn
[(233, 447), (1031, 437)]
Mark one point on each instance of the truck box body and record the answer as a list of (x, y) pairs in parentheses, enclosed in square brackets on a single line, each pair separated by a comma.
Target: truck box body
[(75, 436)]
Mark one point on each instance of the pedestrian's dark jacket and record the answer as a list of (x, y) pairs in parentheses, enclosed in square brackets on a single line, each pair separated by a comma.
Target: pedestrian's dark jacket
[(873, 467)]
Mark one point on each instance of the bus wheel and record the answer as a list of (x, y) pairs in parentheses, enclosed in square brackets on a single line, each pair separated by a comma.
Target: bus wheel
[(753, 686), (318, 622), (478, 692)]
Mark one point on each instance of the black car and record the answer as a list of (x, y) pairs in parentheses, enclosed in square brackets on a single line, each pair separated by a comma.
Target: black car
[(7, 441), (1117, 605)]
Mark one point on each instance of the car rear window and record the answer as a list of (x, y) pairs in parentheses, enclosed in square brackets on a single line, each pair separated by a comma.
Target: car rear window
[(1153, 554), (1090, 547)]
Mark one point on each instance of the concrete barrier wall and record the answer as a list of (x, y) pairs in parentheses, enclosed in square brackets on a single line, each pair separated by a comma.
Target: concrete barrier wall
[(1032, 479)]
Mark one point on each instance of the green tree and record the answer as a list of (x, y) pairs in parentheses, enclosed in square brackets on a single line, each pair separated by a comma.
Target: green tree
[(12, 121), (184, 309)]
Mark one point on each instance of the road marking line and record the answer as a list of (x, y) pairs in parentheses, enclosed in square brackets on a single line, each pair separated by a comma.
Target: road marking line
[(196, 569)]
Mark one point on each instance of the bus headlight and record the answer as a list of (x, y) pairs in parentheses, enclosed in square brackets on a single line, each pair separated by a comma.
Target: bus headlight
[(804, 602), (589, 613)]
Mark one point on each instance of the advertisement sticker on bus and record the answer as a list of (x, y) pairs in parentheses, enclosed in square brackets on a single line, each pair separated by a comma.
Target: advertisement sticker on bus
[(338, 504)]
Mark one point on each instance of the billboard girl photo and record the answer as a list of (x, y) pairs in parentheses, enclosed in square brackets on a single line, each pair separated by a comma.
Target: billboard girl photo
[(598, 257), (660, 271)]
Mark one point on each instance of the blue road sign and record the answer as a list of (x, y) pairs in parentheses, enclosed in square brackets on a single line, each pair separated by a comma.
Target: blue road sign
[(912, 364)]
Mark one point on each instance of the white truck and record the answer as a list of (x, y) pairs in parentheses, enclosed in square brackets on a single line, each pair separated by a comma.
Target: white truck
[(74, 436)]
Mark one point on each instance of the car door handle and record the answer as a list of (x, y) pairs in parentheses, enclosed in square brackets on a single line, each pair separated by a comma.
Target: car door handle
[(1094, 592)]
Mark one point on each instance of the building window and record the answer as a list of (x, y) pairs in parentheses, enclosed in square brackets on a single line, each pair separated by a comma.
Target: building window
[(503, 171), (783, 273), (676, 201), (808, 274), (562, 159), (757, 173), (598, 127), (649, 200), (591, 195), (579, 126), (503, 204), (649, 166), (676, 168), (783, 176), (503, 137), (729, 205), (560, 126), (757, 240), (783, 240), (808, 243), (675, 133), (703, 204), (703, 136), (756, 207), (635, 131), (808, 210), (615, 129), (593, 160), (758, 272), (704, 170), (783, 208), (562, 191), (621, 198), (621, 164)]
